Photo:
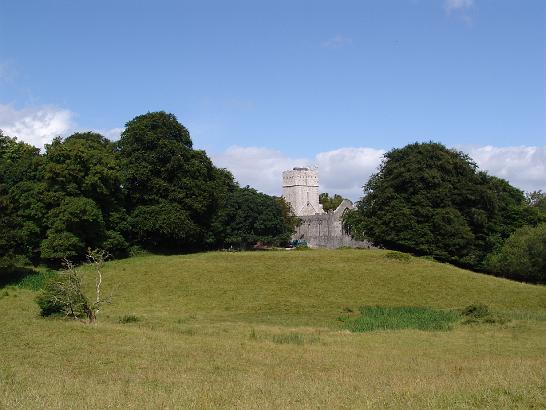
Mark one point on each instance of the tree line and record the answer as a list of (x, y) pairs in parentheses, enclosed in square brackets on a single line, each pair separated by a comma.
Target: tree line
[(150, 190), (431, 200)]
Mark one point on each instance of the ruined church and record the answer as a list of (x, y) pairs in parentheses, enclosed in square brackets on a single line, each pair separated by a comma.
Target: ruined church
[(320, 229)]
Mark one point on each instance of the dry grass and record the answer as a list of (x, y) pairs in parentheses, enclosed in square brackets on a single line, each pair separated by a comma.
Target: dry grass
[(259, 330)]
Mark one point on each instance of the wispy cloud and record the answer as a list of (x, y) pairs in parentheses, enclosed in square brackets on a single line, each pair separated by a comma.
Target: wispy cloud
[(344, 171), (523, 166), (337, 42), (461, 9), (7, 71), (458, 5)]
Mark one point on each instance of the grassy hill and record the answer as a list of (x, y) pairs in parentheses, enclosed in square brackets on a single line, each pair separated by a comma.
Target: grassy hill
[(261, 330)]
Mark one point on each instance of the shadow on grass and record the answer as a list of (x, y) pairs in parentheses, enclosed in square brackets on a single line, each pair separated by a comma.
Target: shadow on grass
[(26, 278)]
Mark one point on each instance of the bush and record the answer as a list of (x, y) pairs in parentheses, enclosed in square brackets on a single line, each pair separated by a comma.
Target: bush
[(129, 319), (480, 313), (523, 255), (62, 295), (64, 292)]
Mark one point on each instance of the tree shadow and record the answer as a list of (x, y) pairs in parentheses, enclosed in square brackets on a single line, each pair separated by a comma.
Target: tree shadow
[(13, 276)]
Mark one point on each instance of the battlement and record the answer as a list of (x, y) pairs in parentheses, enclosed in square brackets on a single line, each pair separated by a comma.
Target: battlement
[(301, 191), (300, 177)]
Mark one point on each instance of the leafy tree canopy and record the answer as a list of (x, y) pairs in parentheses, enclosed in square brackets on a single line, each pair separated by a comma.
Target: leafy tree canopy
[(163, 173), (431, 200), (522, 256), (248, 217)]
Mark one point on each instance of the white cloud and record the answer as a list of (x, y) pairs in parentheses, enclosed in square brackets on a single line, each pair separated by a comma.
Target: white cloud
[(260, 168), (458, 5), (112, 134), (337, 41), (35, 125), (344, 171), (39, 125), (523, 166)]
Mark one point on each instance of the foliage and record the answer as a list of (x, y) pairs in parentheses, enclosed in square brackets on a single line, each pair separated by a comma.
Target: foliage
[(19, 231), (248, 217), (64, 293), (481, 313), (330, 203), (129, 319), (522, 256), (82, 176), (431, 200), (163, 173), (394, 318)]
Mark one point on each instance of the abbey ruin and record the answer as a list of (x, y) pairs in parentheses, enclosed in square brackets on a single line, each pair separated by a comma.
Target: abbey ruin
[(320, 229)]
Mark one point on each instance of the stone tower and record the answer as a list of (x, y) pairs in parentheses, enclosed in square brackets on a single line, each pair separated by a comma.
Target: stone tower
[(300, 188)]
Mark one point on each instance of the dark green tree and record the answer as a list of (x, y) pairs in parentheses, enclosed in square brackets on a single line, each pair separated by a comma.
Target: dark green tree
[(434, 201), (84, 197), (22, 212), (163, 177), (522, 256), (249, 217)]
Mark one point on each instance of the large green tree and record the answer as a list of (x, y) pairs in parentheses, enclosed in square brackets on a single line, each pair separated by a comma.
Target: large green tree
[(248, 217), (21, 210), (431, 200), (172, 190), (84, 197), (522, 256)]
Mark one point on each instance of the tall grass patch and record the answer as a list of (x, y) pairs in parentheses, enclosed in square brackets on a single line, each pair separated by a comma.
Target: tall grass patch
[(295, 338), (394, 318), (35, 281)]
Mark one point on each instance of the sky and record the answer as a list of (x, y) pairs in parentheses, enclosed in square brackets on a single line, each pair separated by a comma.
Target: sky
[(264, 86)]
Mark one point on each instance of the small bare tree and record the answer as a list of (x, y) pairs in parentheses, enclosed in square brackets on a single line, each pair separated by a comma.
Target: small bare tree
[(97, 257), (67, 293)]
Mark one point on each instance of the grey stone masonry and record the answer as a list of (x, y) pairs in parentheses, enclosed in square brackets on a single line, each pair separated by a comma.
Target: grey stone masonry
[(320, 229), (300, 188)]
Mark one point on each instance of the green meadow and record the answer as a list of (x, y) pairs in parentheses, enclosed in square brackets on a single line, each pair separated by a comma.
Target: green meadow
[(280, 329)]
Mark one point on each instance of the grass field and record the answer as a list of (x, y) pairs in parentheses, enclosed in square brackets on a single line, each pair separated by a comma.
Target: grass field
[(262, 330)]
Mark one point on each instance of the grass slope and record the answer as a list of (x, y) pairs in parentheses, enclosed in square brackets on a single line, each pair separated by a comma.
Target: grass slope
[(260, 330)]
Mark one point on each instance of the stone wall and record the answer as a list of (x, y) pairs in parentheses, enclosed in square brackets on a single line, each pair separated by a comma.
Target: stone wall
[(300, 188), (326, 230)]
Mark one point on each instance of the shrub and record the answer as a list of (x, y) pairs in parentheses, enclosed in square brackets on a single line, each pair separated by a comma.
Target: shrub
[(480, 313), (64, 292), (58, 296), (522, 256), (129, 319)]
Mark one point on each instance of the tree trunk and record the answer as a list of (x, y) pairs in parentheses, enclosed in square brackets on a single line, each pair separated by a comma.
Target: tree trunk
[(90, 313)]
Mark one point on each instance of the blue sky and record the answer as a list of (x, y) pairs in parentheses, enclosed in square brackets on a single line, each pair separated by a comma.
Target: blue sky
[(288, 80)]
